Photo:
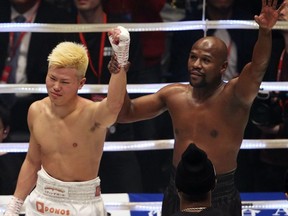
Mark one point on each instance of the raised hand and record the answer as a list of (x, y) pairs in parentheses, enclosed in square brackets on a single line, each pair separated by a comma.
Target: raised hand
[(120, 41), (269, 14)]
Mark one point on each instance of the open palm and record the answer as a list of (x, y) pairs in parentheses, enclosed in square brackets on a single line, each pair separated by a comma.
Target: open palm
[(269, 14)]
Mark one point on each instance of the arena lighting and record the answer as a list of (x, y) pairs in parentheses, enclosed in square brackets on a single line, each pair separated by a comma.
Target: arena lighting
[(155, 145)]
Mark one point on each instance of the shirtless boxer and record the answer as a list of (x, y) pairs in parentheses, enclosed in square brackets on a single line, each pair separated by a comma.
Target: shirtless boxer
[(209, 112), (67, 134)]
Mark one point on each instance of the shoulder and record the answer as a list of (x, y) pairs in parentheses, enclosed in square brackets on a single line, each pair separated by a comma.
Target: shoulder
[(87, 107), (84, 102), (175, 87), (231, 83), (38, 105), (171, 93)]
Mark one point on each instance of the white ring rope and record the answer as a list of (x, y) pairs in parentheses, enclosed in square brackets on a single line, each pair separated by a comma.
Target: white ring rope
[(137, 27), (145, 145), (156, 206), (131, 88)]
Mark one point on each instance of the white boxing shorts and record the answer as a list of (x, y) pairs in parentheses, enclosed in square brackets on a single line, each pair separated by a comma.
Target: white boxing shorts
[(54, 197)]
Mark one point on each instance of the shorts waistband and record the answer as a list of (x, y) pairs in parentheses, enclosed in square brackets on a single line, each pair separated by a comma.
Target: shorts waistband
[(225, 185), (51, 187)]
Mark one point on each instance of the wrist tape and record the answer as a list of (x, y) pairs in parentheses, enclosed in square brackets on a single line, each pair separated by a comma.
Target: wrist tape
[(14, 207), (121, 49)]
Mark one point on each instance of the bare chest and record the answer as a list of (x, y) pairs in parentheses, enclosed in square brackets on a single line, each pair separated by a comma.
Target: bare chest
[(211, 119), (67, 136)]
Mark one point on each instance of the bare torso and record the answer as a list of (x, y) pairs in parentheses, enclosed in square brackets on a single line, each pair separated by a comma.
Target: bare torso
[(71, 147), (215, 124)]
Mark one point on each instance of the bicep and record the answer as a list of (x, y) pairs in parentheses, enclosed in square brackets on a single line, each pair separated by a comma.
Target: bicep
[(34, 152), (102, 114), (147, 107), (247, 84)]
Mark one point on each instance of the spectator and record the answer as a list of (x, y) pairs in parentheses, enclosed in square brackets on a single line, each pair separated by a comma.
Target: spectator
[(4, 123), (31, 64), (10, 163), (195, 179)]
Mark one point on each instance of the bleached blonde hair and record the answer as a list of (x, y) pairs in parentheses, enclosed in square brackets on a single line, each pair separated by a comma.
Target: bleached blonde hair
[(71, 55)]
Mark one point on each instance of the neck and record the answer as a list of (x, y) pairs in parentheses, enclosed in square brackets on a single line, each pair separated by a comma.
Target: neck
[(202, 93), (219, 14), (63, 111), (92, 16), (24, 7)]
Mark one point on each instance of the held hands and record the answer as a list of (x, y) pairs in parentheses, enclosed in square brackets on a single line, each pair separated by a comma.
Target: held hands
[(120, 41), (114, 67), (269, 14)]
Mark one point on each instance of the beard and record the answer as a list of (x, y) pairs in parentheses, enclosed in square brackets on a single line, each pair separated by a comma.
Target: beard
[(202, 83)]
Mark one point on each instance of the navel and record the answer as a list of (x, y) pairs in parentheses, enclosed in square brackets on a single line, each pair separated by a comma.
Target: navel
[(74, 145), (214, 133)]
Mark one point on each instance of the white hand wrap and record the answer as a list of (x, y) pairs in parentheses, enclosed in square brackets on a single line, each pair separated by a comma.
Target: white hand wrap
[(14, 207), (122, 48)]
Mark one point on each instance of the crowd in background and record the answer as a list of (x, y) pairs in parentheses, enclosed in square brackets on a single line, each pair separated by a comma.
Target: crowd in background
[(156, 57)]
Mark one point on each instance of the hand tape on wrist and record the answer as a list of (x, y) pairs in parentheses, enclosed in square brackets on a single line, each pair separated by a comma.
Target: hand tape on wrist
[(14, 207), (121, 49)]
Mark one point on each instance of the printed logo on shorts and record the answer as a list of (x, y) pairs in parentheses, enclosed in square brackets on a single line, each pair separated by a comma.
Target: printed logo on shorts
[(53, 191), (40, 207)]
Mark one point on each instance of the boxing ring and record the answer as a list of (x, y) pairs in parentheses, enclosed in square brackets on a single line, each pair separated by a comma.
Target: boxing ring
[(260, 204), (253, 204)]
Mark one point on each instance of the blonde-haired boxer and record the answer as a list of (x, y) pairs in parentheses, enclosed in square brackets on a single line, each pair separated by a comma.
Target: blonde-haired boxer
[(67, 134)]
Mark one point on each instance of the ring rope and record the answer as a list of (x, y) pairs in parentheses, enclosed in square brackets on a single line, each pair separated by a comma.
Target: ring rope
[(131, 88), (156, 206), (134, 27), (144, 145)]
